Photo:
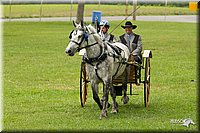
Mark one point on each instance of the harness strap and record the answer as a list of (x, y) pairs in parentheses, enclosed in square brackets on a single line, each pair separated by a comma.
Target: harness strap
[(115, 48), (118, 51), (98, 59), (101, 57), (111, 38), (119, 66), (97, 72), (86, 46), (117, 70), (74, 42)]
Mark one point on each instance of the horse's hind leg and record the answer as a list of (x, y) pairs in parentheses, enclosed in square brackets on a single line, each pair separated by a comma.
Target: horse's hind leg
[(125, 98), (114, 103), (95, 94)]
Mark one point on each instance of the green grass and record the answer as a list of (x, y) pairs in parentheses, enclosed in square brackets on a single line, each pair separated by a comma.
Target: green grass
[(41, 83), (64, 10)]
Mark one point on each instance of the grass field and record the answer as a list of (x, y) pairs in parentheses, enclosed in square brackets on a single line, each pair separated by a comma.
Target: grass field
[(41, 83), (64, 10)]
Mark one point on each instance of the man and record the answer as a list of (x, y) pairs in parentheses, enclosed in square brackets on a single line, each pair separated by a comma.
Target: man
[(133, 41), (105, 36)]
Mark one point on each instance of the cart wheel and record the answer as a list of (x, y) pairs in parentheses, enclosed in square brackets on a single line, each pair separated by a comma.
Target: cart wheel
[(83, 85), (147, 82)]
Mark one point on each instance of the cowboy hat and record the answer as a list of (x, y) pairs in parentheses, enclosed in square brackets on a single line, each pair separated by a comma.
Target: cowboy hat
[(129, 24)]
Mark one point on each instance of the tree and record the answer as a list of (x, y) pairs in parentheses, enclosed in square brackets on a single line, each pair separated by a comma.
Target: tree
[(80, 11), (134, 8)]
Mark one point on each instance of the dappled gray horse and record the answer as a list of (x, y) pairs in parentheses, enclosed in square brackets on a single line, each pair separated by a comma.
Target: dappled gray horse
[(104, 62)]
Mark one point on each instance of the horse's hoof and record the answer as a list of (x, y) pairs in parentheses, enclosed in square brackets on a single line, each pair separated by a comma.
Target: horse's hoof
[(117, 107), (103, 114), (114, 111), (125, 99)]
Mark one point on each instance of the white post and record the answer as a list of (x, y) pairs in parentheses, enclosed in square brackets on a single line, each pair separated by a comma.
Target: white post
[(99, 5), (10, 14), (41, 10), (126, 9), (165, 8), (71, 10)]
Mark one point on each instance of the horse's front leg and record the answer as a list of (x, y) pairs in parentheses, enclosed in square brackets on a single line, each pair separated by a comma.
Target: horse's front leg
[(114, 103), (95, 94), (106, 86), (125, 98)]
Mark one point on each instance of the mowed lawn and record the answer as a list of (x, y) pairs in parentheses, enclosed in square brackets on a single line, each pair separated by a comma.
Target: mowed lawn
[(41, 83), (67, 10)]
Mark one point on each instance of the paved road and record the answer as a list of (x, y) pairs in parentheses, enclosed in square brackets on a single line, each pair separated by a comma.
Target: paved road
[(175, 18)]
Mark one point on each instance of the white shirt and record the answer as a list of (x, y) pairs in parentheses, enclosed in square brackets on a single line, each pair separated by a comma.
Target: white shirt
[(106, 37)]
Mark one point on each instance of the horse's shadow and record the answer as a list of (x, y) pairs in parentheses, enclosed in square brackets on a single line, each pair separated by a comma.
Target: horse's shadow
[(130, 109)]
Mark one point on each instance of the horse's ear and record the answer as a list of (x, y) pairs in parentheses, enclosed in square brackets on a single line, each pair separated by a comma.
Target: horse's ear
[(82, 24), (86, 28), (74, 23)]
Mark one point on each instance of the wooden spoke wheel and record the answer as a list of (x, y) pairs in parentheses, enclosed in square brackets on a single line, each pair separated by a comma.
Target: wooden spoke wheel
[(83, 84), (147, 82)]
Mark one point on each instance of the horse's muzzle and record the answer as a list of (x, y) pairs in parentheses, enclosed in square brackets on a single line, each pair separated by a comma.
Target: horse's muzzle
[(69, 52)]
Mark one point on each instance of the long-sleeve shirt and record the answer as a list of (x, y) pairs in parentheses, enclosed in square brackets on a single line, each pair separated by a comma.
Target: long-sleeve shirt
[(107, 37)]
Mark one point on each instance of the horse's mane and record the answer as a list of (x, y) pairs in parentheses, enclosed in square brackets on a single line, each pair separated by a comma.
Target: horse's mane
[(91, 29)]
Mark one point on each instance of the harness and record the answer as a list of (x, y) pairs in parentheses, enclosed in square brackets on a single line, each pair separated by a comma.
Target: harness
[(102, 57), (111, 38), (99, 58), (103, 52), (118, 51)]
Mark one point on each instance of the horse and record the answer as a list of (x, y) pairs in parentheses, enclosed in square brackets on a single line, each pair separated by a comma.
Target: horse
[(104, 63)]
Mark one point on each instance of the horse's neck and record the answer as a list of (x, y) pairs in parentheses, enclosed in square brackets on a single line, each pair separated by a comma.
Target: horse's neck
[(95, 50)]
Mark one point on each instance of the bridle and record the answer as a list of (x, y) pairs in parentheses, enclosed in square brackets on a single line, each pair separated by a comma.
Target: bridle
[(84, 38)]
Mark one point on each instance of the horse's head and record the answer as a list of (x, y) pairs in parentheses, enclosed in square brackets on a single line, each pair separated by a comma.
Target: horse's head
[(77, 39)]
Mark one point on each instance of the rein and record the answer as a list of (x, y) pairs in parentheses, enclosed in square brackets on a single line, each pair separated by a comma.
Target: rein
[(87, 46)]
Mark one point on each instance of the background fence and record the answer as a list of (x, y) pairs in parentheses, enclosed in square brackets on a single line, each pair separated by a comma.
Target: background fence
[(92, 1), (68, 8)]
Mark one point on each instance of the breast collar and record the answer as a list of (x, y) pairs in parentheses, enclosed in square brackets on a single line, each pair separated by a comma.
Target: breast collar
[(102, 56)]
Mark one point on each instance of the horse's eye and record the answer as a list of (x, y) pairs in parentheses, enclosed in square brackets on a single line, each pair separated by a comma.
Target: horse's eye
[(79, 36)]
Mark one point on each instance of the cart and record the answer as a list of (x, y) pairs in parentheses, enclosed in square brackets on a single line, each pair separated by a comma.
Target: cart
[(134, 77)]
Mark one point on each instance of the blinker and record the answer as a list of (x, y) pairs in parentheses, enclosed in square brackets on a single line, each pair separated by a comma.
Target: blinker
[(70, 35)]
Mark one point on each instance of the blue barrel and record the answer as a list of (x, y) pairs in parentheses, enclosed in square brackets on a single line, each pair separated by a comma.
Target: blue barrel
[(96, 15)]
